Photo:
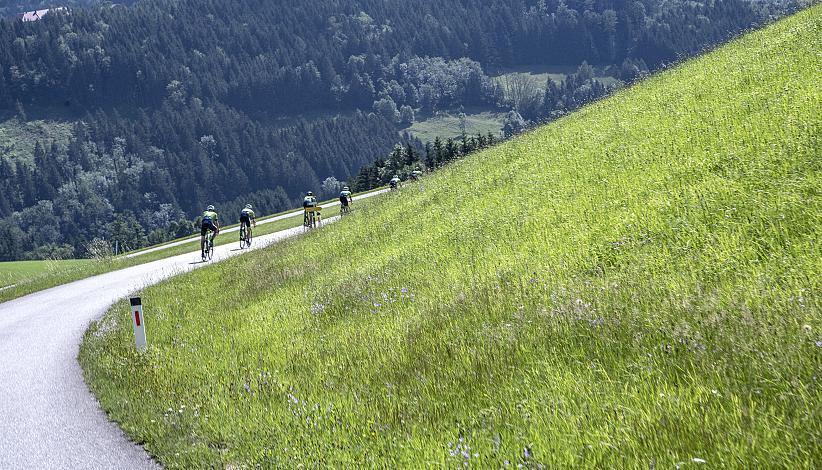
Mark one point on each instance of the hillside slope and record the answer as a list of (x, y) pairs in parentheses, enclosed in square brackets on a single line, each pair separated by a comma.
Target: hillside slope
[(636, 284)]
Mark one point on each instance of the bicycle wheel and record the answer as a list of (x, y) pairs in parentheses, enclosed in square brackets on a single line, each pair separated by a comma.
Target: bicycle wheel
[(211, 249), (248, 237), (242, 237)]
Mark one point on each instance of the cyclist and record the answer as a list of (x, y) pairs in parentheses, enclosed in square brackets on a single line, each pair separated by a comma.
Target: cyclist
[(415, 175), (345, 197), (210, 223), (247, 218), (395, 181), (308, 201)]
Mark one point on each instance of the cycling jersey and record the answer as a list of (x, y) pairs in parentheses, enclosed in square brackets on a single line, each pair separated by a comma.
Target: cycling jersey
[(247, 213), (345, 197), (394, 181), (310, 201), (210, 217)]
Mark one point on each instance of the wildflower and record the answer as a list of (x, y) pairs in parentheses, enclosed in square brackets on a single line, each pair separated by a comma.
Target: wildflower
[(317, 308), (807, 328), (819, 344), (698, 460), (404, 290)]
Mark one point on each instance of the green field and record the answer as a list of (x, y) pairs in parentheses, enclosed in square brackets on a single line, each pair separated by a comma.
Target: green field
[(447, 125), (635, 285), (14, 272)]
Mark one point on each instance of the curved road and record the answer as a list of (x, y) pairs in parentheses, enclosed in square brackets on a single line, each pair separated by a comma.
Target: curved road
[(48, 417)]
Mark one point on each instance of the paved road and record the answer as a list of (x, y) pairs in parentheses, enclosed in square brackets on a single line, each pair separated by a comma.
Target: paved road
[(259, 222), (48, 417)]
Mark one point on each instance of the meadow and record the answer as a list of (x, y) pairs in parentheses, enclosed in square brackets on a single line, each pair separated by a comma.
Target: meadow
[(13, 272), (447, 125), (634, 285)]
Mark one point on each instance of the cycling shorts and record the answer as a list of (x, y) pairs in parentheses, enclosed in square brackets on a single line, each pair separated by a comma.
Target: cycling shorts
[(206, 227), (245, 220)]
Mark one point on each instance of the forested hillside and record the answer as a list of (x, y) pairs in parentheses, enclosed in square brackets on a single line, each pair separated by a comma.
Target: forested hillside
[(175, 105)]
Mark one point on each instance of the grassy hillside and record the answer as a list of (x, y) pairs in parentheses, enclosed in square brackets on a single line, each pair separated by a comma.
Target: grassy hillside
[(635, 285)]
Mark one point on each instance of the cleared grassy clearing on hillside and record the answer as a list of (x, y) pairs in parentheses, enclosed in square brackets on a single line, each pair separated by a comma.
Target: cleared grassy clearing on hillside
[(636, 284), (18, 138), (447, 125)]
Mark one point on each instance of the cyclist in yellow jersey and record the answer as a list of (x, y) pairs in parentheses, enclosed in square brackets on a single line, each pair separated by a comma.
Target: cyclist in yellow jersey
[(210, 223)]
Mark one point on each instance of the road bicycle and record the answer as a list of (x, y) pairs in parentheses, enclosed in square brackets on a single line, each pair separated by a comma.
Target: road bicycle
[(344, 210), (207, 251), (312, 217), (245, 237)]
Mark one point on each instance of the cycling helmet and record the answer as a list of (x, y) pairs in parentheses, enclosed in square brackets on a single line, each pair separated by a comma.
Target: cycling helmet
[(310, 194), (248, 206), (210, 208), (345, 188), (396, 176)]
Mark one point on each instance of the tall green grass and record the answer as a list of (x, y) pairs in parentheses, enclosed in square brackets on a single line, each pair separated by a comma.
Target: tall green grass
[(635, 285)]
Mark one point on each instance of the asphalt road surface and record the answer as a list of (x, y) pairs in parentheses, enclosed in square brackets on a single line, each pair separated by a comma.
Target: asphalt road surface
[(48, 417)]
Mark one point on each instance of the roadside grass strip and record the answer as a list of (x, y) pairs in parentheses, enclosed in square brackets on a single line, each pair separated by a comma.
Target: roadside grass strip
[(634, 285)]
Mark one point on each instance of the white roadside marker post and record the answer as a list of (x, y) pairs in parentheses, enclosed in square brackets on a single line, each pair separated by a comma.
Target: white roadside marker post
[(139, 322)]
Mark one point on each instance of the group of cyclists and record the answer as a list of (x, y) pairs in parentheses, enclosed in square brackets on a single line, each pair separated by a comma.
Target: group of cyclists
[(210, 223), (211, 220), (311, 213)]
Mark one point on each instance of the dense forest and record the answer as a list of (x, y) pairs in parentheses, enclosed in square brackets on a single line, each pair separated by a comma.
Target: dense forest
[(181, 104)]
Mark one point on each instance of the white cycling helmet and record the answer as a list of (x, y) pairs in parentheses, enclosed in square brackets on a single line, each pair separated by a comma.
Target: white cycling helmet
[(345, 188), (248, 206), (210, 208)]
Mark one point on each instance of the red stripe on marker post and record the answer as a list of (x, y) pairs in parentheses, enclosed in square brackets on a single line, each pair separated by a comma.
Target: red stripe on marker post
[(139, 323)]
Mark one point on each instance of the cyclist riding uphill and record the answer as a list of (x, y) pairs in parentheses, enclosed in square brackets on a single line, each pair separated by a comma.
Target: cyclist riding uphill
[(395, 181), (247, 217), (345, 196), (210, 223), (415, 175)]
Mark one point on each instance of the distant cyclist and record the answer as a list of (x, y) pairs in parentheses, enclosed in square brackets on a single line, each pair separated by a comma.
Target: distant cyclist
[(345, 197), (415, 175), (210, 223), (247, 219), (309, 201), (395, 182)]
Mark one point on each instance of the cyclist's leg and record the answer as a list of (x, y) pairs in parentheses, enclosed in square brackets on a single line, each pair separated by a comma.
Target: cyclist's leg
[(203, 233)]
